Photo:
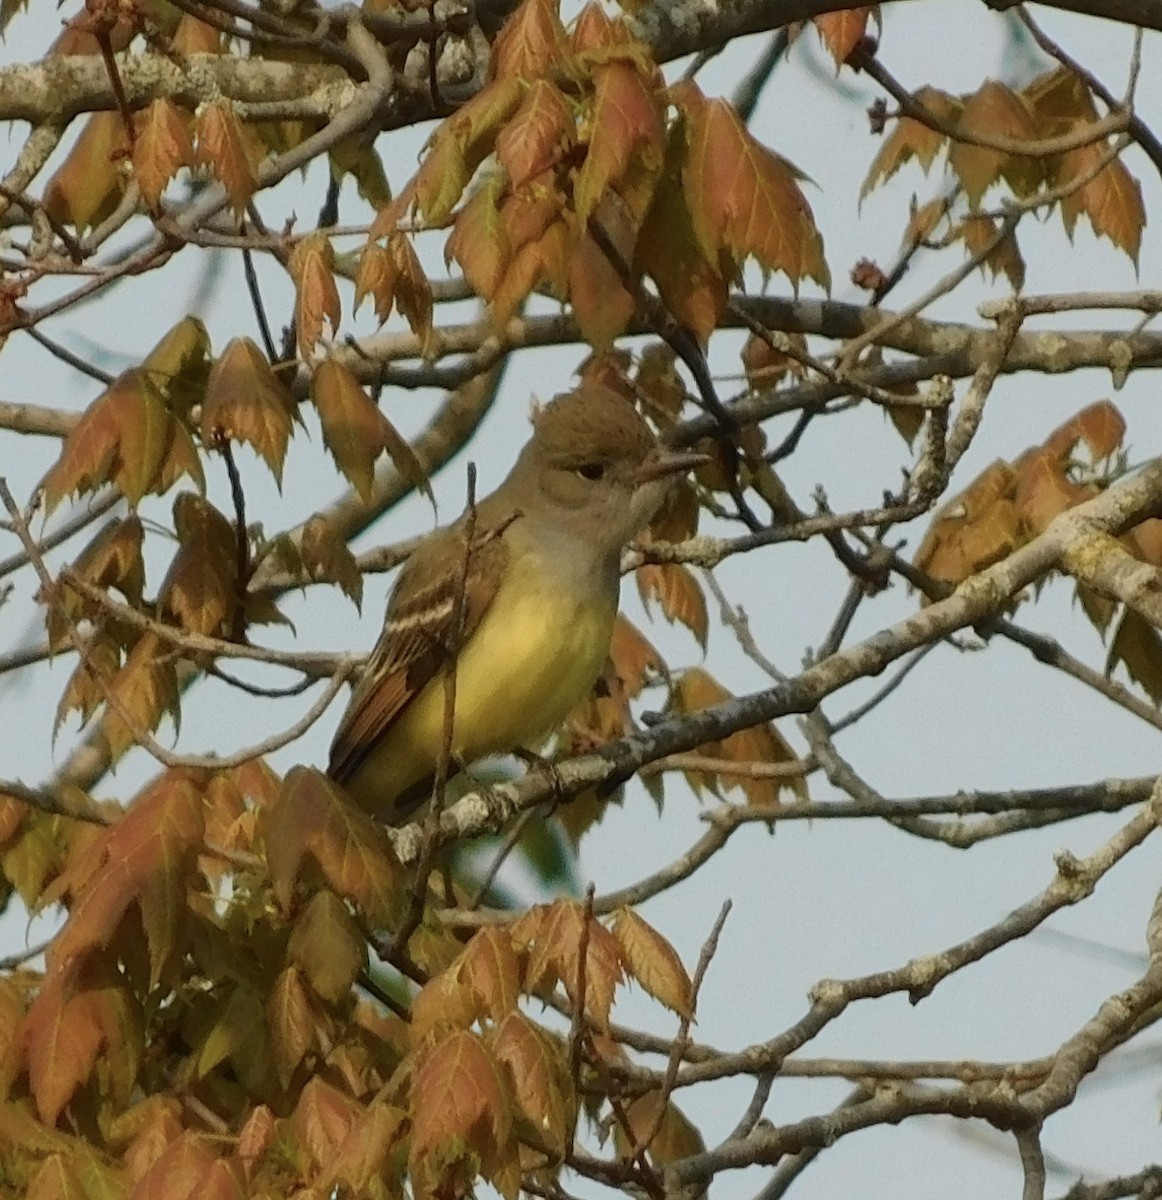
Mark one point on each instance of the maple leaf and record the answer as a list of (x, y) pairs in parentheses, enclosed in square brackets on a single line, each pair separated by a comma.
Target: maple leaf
[(602, 303), (161, 147), (123, 437), (1112, 198), (653, 962), (413, 292), (145, 861), (692, 286), (842, 31), (479, 240), (328, 946), (292, 1022), (626, 131), (140, 694), (995, 109), (245, 402), (537, 135), (201, 587), (695, 690), (89, 184), (376, 278), (743, 197), (312, 267), (458, 1099), (313, 821), (230, 149), (558, 933), (678, 593), (536, 1071), (913, 139), (531, 44)]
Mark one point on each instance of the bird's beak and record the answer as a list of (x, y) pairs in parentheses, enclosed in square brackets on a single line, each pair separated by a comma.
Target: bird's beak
[(661, 463)]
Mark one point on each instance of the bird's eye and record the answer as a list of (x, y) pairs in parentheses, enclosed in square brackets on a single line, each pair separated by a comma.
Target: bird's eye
[(591, 471)]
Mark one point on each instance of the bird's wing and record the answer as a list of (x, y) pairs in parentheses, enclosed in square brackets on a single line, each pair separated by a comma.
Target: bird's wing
[(418, 634)]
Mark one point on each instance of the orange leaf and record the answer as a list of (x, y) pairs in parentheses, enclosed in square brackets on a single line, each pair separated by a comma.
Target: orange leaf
[(842, 31), (413, 292), (1004, 258), (531, 44), (353, 425), (634, 658), (89, 184), (653, 962), (537, 1073), (601, 302), (626, 132), (245, 402), (537, 135), (113, 559), (312, 265), (376, 279), (161, 147), (692, 286), (479, 240), (61, 1036), (1137, 645), (364, 1155), (1112, 199), (144, 860), (188, 1169), (556, 952), (458, 1098), (326, 556), (140, 694), (201, 588), (743, 197), (313, 821), (674, 587), (123, 437), (230, 149), (912, 139), (993, 110)]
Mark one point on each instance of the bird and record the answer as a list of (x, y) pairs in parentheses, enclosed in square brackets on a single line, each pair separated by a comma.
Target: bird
[(531, 574)]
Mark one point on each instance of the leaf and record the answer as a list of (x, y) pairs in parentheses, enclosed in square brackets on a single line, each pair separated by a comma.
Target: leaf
[(312, 267), (674, 1137), (762, 743), (531, 44), (457, 148), (692, 286), (1112, 199), (561, 932), (743, 198), (842, 31), (674, 588), (245, 402), (634, 658), (537, 135), (87, 187), (1137, 645), (1003, 259), (488, 967), (314, 822), (626, 132), (602, 303), (140, 694), (325, 555), (188, 1169), (230, 149), (653, 962), (1100, 426), (363, 1157), (161, 147), (376, 278), (995, 110), (913, 139), (978, 527), (537, 1074), (201, 590), (413, 292), (479, 239), (145, 860), (291, 1022), (327, 945), (113, 559), (123, 438), (458, 1099)]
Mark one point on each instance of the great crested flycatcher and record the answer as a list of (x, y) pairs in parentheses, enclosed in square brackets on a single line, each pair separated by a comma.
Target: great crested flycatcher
[(535, 594)]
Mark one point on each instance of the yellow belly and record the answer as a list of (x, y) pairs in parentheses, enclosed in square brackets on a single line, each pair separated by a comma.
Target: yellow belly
[(534, 657)]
